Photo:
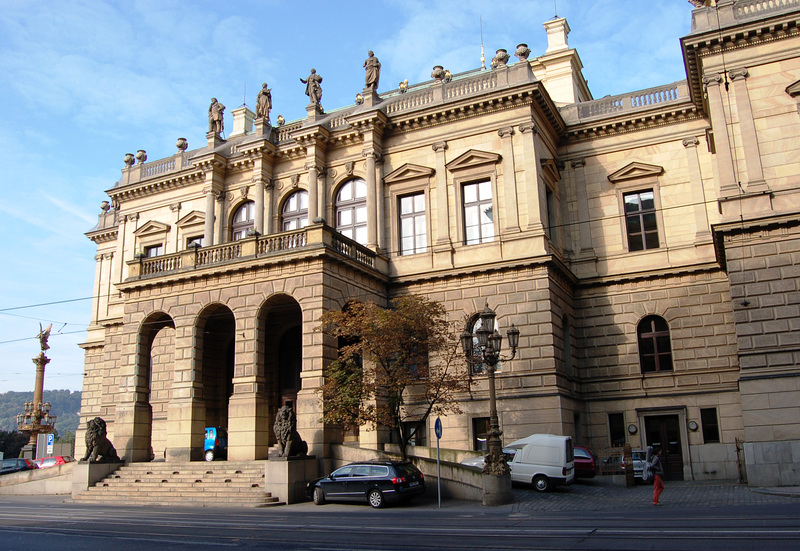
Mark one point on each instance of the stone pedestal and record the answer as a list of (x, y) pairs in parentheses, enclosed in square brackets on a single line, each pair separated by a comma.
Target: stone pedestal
[(85, 474), (497, 490), (314, 111), (286, 477)]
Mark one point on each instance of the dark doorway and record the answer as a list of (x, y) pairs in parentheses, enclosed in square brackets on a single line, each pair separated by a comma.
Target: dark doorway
[(218, 342), (290, 360), (664, 431)]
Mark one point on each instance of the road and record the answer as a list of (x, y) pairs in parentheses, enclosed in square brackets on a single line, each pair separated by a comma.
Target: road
[(55, 523)]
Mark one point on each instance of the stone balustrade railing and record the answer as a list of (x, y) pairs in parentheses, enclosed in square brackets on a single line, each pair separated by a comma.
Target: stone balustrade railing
[(626, 103), (734, 13), (160, 264), (410, 100), (351, 249), (471, 86), (285, 131), (281, 242), (219, 253)]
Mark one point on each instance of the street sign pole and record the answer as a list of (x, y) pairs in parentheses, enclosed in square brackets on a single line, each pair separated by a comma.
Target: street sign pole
[(438, 429)]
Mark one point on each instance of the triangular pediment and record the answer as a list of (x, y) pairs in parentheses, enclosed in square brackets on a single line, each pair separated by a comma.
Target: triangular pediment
[(550, 168), (408, 172), (194, 218), (473, 158), (793, 89), (151, 228), (634, 171)]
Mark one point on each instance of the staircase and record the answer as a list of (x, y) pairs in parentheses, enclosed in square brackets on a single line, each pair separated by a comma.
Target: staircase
[(199, 484)]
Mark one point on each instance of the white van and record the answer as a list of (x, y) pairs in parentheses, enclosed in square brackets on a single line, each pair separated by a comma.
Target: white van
[(544, 460)]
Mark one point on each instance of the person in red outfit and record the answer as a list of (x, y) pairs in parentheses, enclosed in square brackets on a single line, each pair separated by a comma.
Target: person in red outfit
[(658, 471)]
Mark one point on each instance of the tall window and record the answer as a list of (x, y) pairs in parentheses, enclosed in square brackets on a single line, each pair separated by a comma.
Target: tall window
[(351, 210), (413, 232), (242, 220), (708, 420), (478, 213), (480, 430), (616, 429), (655, 353), (295, 211), (640, 220)]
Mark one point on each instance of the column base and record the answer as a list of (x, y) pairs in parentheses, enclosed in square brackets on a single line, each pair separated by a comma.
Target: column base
[(286, 477), (497, 490)]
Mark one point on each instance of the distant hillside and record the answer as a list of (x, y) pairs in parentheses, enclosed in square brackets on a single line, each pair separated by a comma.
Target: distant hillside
[(66, 405)]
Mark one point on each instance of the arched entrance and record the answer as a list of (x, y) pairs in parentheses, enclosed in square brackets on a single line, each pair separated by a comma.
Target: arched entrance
[(217, 327), (156, 368), (283, 353)]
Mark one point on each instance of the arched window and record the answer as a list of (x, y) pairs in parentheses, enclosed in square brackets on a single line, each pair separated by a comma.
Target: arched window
[(655, 353), (295, 211), (242, 220), (351, 210), (477, 366)]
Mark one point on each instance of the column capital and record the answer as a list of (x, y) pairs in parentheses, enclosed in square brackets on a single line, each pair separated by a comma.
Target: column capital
[(712, 80), (261, 180), (132, 217), (370, 152), (578, 163), (505, 132), (529, 127), (740, 73), (314, 166), (439, 146), (691, 141)]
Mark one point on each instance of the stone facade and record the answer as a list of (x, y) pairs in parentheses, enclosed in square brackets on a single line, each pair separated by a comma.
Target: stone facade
[(647, 246)]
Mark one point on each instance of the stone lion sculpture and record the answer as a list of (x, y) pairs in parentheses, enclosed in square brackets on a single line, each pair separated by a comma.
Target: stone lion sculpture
[(98, 447), (286, 432)]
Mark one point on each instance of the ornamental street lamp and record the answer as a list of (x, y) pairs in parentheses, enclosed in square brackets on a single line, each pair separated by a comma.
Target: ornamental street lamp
[(36, 418), (488, 353)]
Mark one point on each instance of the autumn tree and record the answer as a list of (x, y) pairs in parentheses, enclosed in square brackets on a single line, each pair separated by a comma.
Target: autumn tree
[(396, 366)]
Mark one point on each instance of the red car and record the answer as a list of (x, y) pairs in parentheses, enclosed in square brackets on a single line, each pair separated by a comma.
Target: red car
[(585, 462), (44, 462)]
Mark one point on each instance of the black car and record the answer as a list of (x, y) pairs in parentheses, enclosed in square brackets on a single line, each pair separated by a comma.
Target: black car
[(16, 465), (376, 482)]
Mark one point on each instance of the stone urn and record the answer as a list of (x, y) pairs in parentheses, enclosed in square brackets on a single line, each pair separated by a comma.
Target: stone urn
[(182, 144), (141, 155), (129, 160), (438, 73), (500, 59), (105, 206), (522, 52)]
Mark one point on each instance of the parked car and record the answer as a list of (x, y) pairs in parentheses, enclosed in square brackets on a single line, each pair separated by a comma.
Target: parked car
[(16, 465), (585, 462), (376, 482), (544, 460), (639, 458), (45, 462), (216, 445), (480, 461)]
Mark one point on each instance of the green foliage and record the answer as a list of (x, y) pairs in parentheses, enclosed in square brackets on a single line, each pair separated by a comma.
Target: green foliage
[(397, 365), (11, 443), (66, 405)]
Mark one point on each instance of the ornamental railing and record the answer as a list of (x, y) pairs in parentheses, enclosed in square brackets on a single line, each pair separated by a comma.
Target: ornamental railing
[(626, 103)]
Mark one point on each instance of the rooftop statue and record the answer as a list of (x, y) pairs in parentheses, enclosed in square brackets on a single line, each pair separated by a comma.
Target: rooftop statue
[(313, 88), (44, 334), (373, 67), (215, 111), (263, 102)]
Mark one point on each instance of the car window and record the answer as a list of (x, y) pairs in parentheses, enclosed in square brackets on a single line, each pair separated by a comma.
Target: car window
[(379, 471), (361, 470), (639, 456), (344, 471), (581, 453), (406, 468)]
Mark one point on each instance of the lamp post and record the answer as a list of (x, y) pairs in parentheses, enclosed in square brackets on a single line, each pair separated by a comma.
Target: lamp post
[(488, 352), (36, 418)]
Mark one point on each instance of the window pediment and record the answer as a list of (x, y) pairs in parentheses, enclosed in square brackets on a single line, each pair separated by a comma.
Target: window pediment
[(634, 171), (408, 172), (472, 159), (550, 168), (194, 218), (152, 228), (794, 89)]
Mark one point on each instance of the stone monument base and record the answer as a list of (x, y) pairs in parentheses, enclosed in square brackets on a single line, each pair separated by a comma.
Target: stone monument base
[(86, 475), (286, 477), (497, 490)]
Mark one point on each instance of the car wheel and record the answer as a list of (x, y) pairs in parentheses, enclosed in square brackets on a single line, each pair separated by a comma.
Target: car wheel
[(541, 483), (319, 496), (375, 498), (209, 455)]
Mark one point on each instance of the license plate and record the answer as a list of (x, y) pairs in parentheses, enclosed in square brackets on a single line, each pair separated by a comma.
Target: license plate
[(412, 484)]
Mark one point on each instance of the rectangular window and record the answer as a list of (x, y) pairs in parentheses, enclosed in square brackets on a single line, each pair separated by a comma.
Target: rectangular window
[(616, 429), (196, 241), (478, 213), (640, 220), (480, 430), (153, 250), (708, 420), (421, 436), (413, 232)]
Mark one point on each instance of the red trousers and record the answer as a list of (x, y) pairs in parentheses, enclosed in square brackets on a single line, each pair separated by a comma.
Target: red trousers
[(658, 487)]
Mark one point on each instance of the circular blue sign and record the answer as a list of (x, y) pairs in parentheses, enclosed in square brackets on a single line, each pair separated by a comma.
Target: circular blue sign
[(437, 427)]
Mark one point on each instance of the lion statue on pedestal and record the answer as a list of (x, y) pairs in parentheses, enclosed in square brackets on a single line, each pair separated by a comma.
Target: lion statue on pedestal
[(98, 447), (289, 440)]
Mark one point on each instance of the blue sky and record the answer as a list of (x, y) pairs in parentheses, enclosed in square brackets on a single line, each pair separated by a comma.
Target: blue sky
[(86, 81)]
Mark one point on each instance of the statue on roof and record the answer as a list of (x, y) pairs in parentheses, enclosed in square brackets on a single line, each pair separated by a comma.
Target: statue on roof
[(373, 68), (313, 88), (264, 103), (215, 112)]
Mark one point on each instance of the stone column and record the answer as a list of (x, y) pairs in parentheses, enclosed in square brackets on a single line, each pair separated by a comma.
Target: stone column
[(442, 207), (313, 190), (268, 188), (208, 229), (747, 127), (703, 232), (258, 221), (725, 171), (372, 205), (511, 211), (534, 188), (582, 199), (186, 416), (380, 203)]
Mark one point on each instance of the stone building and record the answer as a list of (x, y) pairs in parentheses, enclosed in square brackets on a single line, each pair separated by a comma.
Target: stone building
[(646, 245)]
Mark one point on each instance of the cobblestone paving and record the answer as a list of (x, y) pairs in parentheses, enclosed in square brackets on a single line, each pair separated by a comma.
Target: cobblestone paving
[(600, 494)]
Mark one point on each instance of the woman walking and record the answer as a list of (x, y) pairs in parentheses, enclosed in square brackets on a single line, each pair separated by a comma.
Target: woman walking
[(658, 471)]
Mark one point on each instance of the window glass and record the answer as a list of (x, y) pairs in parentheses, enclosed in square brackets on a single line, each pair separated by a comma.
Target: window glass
[(413, 231), (295, 211), (655, 352), (616, 429), (641, 223), (242, 220), (708, 420), (196, 240), (478, 213), (153, 250), (480, 429), (351, 210)]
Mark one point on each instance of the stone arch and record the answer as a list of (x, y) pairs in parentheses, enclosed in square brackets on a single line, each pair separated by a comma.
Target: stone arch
[(215, 340)]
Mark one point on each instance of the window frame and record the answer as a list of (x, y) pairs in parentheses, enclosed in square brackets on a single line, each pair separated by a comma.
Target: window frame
[(242, 227), (398, 199), (296, 215), (614, 432), (352, 205), (641, 214), (710, 427), (653, 336), (157, 248), (481, 201), (479, 445)]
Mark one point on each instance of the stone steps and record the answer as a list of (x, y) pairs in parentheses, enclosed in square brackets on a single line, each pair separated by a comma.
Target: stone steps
[(212, 484)]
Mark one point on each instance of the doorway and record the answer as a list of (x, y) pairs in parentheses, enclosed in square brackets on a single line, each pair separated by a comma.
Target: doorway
[(664, 431)]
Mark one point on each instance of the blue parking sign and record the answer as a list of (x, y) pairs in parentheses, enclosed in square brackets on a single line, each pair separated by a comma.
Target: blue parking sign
[(50, 440)]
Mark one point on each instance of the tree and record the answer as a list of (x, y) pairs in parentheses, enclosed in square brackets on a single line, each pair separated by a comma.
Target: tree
[(396, 366), (11, 443)]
